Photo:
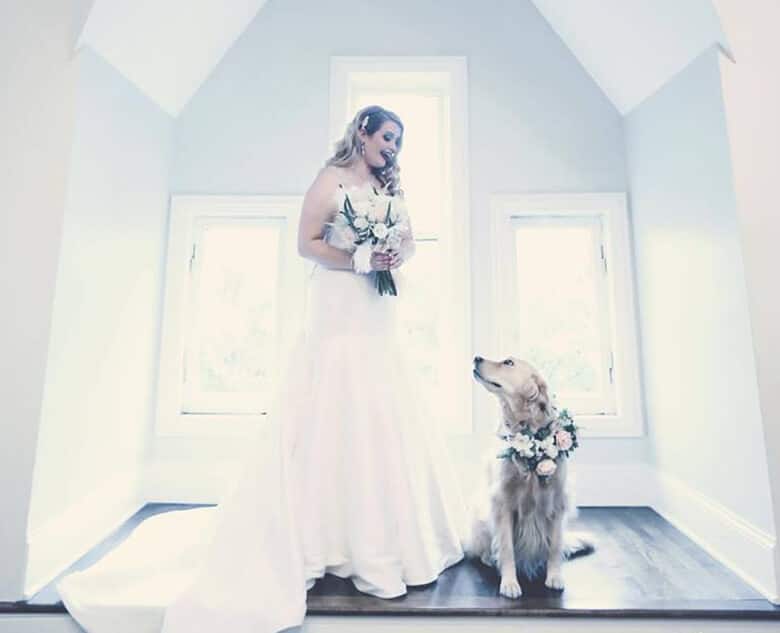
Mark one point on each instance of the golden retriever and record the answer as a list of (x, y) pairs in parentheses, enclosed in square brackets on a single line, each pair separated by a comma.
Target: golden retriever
[(519, 521)]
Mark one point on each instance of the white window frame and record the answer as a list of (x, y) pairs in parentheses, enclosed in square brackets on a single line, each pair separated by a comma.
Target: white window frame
[(446, 76), (505, 210), (185, 213)]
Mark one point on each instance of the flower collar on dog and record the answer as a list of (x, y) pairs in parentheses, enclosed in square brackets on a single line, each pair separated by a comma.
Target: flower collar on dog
[(537, 452)]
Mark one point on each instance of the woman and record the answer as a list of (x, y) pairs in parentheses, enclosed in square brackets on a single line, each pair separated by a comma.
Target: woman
[(347, 477)]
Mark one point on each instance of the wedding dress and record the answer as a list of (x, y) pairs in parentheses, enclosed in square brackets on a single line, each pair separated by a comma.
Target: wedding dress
[(350, 476)]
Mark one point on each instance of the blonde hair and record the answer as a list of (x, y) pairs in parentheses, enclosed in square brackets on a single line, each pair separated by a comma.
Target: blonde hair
[(347, 150)]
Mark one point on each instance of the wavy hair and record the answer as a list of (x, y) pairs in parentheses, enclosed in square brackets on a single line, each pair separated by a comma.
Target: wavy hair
[(347, 150)]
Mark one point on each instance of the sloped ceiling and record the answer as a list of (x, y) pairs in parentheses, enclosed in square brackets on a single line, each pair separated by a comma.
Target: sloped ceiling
[(630, 48), (167, 48), (633, 47)]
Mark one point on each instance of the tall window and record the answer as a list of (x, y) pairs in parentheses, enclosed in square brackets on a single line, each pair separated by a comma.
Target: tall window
[(563, 300), (428, 94), (232, 273)]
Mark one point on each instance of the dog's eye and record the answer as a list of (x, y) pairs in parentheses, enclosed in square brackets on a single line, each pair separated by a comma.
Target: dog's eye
[(509, 362)]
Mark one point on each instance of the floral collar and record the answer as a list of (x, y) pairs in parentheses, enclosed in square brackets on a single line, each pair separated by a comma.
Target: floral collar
[(537, 452)]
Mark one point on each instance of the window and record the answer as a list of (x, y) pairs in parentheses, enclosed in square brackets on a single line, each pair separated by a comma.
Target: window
[(429, 96), (563, 300), (233, 269)]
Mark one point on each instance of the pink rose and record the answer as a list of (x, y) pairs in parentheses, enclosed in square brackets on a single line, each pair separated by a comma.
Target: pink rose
[(563, 440), (546, 467)]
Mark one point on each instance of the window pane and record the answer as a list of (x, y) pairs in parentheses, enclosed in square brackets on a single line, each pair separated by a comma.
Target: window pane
[(418, 314), (231, 347), (561, 315)]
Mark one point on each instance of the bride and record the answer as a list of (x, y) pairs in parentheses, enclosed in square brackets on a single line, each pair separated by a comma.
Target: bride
[(349, 477)]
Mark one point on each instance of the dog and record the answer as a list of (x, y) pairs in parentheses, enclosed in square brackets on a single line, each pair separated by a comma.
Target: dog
[(519, 520)]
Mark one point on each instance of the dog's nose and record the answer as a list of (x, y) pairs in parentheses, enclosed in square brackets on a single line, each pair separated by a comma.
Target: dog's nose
[(478, 360)]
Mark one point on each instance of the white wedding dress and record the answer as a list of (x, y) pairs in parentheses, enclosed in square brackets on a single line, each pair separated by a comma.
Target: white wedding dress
[(350, 476)]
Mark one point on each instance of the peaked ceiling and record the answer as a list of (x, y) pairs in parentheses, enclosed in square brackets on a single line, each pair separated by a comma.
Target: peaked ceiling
[(633, 47), (167, 48)]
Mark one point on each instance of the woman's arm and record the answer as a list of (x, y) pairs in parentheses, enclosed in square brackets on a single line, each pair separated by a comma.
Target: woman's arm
[(315, 212)]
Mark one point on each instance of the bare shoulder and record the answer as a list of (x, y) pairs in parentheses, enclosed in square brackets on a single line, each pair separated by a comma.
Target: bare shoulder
[(325, 183)]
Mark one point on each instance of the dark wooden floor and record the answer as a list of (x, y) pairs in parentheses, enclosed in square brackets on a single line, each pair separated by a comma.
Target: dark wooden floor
[(642, 566)]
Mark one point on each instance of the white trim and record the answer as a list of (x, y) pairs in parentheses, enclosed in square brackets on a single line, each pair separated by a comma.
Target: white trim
[(61, 541), (447, 76), (611, 484), (613, 207), (64, 623), (742, 547), (185, 210)]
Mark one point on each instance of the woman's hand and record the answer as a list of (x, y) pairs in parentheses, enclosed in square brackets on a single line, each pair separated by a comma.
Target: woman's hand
[(381, 261), (386, 261)]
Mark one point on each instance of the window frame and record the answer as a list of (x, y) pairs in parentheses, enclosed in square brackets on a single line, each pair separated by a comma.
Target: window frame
[(611, 207), (186, 212)]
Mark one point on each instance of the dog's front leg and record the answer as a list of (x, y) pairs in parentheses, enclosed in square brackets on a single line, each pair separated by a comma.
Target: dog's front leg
[(505, 554), (555, 557)]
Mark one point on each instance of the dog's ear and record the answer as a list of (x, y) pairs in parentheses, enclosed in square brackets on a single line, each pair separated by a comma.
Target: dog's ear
[(544, 396), (530, 389), (535, 390)]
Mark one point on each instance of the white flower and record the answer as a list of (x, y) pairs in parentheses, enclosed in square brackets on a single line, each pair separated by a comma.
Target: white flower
[(361, 223), (361, 259), (546, 467), (523, 444), (549, 447), (394, 239), (379, 230), (340, 235)]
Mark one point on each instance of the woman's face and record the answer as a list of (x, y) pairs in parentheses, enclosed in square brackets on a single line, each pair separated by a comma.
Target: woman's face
[(382, 146)]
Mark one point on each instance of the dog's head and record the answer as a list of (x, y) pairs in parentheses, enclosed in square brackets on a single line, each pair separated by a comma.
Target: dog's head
[(520, 389)]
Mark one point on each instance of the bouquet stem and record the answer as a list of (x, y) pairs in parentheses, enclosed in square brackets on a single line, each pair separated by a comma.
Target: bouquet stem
[(384, 282)]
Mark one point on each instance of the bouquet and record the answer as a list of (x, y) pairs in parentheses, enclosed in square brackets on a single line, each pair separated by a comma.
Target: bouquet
[(367, 222)]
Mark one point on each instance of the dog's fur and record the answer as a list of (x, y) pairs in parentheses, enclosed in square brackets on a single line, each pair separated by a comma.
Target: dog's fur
[(519, 522)]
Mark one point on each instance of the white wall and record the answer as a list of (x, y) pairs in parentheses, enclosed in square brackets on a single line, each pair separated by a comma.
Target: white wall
[(701, 391), (36, 127), (751, 90), (100, 377), (537, 121)]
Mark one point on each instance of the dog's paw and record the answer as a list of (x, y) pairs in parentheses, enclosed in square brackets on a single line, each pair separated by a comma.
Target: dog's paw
[(510, 588), (554, 580)]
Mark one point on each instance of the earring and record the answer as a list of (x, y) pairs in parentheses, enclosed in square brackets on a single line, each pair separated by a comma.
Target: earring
[(362, 147)]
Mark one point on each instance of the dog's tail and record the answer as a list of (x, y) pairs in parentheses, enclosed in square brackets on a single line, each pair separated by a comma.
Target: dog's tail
[(576, 544)]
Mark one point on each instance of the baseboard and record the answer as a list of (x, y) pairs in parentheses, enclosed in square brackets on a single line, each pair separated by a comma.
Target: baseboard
[(611, 485), (176, 481), (51, 623), (745, 549), (56, 545)]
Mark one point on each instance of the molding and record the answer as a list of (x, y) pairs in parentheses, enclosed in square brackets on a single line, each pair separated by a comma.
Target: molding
[(56, 545), (742, 547), (611, 484)]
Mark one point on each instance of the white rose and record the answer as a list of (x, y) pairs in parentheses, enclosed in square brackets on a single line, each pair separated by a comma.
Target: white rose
[(546, 467), (379, 230), (361, 223), (523, 444), (394, 240), (549, 447), (340, 235), (361, 259)]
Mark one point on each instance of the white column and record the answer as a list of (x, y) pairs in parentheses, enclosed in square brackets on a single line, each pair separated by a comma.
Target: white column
[(36, 128), (751, 93)]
